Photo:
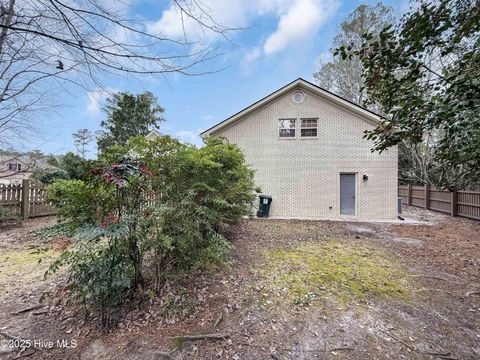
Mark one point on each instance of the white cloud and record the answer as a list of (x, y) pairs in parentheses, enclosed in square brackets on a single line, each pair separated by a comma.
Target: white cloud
[(297, 20), (252, 55), (302, 20), (96, 99), (175, 24), (207, 117), (190, 137)]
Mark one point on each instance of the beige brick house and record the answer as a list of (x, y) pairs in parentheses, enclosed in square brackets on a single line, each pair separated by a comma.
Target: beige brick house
[(307, 148)]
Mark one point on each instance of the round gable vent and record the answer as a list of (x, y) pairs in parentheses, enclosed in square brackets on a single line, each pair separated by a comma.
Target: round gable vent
[(298, 97)]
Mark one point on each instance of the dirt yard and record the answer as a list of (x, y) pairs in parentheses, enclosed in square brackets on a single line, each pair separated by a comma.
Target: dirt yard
[(292, 290)]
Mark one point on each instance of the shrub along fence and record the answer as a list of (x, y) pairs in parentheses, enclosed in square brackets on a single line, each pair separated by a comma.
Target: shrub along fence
[(25, 200), (32, 202), (464, 203)]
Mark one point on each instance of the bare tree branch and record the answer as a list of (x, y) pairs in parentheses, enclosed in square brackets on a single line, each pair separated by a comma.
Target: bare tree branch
[(49, 43)]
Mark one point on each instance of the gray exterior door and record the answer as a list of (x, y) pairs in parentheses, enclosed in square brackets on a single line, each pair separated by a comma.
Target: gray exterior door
[(347, 194)]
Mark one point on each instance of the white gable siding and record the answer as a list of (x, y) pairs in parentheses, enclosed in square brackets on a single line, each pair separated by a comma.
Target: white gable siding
[(303, 175)]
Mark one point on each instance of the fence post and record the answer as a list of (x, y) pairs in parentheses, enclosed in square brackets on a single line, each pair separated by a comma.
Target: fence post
[(25, 199), (453, 199), (427, 196), (409, 194)]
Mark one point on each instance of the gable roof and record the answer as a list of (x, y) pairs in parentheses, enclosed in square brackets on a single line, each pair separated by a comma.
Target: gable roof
[(28, 162), (153, 134), (338, 100)]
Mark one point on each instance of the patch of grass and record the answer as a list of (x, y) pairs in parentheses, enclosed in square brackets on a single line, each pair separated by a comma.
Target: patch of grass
[(25, 264), (314, 271), (178, 343)]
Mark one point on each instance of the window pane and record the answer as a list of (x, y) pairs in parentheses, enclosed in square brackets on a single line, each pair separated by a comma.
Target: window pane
[(286, 128), (287, 124), (309, 123), (309, 132), (287, 132)]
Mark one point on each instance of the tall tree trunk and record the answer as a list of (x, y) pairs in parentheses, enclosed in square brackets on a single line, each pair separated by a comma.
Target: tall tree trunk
[(6, 24), (137, 263)]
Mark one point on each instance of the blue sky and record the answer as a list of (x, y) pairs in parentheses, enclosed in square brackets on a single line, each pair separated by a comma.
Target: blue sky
[(283, 41)]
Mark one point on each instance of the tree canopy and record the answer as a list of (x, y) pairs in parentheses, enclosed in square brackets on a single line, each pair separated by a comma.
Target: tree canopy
[(46, 45), (82, 138), (128, 115), (344, 76), (68, 166), (424, 73)]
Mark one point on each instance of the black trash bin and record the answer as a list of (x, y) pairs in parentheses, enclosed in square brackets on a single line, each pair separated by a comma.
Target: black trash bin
[(264, 208)]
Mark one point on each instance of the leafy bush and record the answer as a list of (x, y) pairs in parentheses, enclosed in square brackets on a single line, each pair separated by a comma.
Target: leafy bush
[(74, 165), (68, 166), (157, 206), (48, 176), (99, 276), (79, 202), (68, 229)]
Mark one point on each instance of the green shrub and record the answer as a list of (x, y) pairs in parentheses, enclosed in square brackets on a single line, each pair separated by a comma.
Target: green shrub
[(68, 229), (48, 176), (69, 166), (212, 256), (192, 192), (99, 276), (79, 202)]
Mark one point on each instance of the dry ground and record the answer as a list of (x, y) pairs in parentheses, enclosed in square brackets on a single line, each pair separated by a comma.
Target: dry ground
[(399, 291)]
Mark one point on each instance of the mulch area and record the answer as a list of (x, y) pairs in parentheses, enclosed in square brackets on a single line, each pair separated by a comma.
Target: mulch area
[(452, 245), (442, 255)]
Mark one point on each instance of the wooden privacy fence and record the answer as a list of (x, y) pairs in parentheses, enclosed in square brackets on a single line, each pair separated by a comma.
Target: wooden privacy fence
[(462, 203), (29, 200), (25, 200)]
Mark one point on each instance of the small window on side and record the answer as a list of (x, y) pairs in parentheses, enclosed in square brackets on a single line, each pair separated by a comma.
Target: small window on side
[(14, 167), (286, 128), (309, 128), (298, 97)]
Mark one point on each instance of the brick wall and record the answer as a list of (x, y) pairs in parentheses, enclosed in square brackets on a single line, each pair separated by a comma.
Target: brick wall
[(303, 175)]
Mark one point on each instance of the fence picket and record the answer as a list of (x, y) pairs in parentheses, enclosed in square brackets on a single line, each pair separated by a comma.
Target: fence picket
[(25, 200), (463, 203)]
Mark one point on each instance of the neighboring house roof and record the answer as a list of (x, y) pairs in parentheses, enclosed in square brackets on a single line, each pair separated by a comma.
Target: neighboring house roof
[(5, 159), (298, 83), (152, 135), (28, 162)]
